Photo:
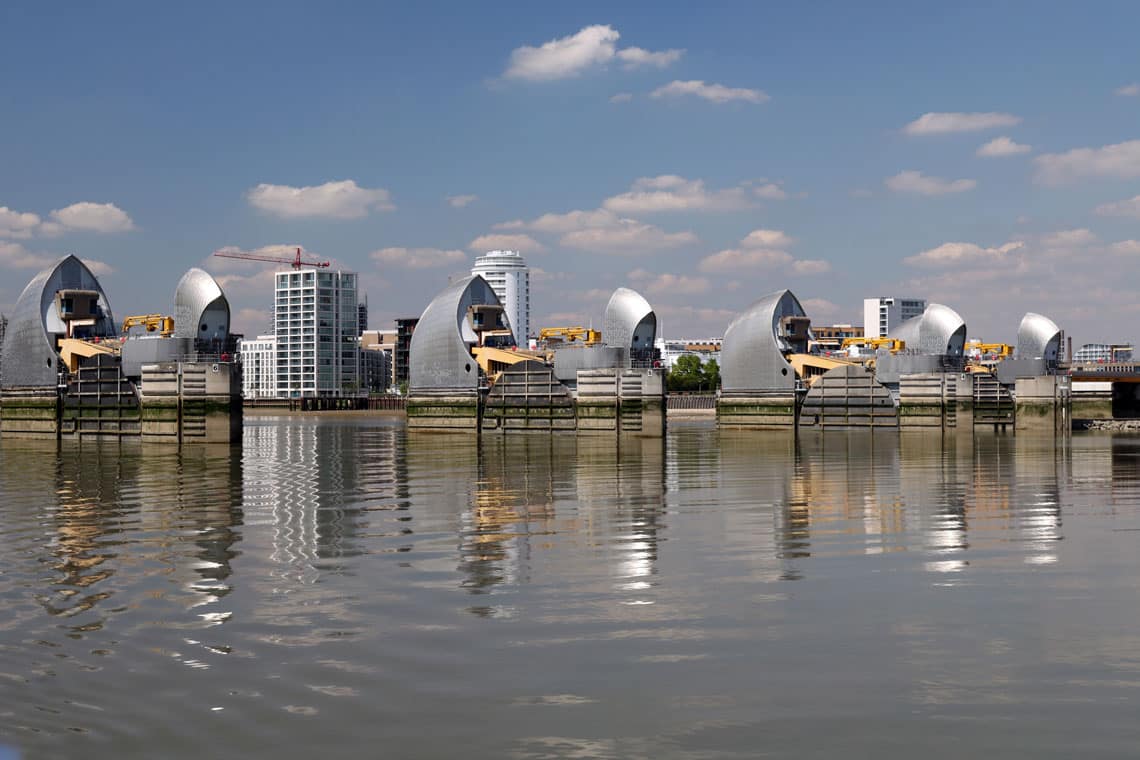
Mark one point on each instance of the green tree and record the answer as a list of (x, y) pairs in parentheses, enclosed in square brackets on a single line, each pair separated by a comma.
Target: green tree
[(686, 375), (712, 375)]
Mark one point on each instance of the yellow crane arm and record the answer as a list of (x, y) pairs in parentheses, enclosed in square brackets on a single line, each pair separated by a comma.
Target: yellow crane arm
[(151, 322)]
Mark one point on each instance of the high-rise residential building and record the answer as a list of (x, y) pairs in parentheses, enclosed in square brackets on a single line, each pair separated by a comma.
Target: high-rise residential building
[(405, 326), (259, 367), (315, 323), (508, 275), (883, 314)]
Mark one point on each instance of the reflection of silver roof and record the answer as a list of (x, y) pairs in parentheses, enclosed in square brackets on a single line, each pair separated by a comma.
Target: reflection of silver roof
[(629, 321), (200, 307), (440, 357), (751, 354), (1038, 337), (938, 331), (29, 351)]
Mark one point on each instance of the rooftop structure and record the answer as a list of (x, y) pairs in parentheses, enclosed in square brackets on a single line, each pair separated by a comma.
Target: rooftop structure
[(755, 344), (63, 301), (630, 323), (508, 275), (939, 331), (440, 350), (201, 311)]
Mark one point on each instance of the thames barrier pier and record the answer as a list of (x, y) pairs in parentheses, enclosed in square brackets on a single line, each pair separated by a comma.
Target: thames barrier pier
[(467, 373), (65, 370), (916, 378)]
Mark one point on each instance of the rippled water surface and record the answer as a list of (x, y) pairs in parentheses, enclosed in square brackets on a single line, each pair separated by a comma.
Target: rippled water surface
[(339, 587)]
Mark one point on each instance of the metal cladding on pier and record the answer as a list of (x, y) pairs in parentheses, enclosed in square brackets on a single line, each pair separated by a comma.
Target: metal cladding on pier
[(1038, 337), (440, 358), (30, 353), (753, 350), (939, 331), (201, 310), (629, 321)]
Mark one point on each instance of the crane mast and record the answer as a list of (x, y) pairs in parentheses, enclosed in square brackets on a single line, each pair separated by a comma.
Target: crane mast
[(295, 262)]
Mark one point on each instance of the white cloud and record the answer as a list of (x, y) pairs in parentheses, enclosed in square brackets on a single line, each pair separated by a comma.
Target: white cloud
[(1129, 90), (669, 192), (767, 239), (627, 236), (1068, 239), (715, 93), (522, 243), (343, 199), (820, 308), (1002, 146), (16, 256), (763, 249), (591, 47), (1126, 247), (418, 258), (249, 321), (17, 224), (621, 97), (1121, 161), (955, 254), (99, 268), (1129, 207), (461, 201), (945, 123), (736, 259), (921, 184), (810, 266), (561, 223), (635, 57), (93, 217), (672, 284)]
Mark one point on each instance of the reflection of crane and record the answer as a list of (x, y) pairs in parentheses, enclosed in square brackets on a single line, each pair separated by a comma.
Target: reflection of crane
[(571, 334), (294, 262), (894, 344), (151, 322)]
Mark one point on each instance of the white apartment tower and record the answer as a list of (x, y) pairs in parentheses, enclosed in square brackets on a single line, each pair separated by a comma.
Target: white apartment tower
[(259, 367), (883, 314), (315, 320), (508, 275)]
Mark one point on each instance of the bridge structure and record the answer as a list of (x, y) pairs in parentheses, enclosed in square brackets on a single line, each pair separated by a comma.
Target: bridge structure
[(1105, 390)]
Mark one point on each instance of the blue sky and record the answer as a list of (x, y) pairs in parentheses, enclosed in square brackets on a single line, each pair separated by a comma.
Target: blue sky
[(713, 154)]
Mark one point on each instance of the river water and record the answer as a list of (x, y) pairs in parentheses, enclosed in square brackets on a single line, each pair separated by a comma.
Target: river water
[(339, 587)]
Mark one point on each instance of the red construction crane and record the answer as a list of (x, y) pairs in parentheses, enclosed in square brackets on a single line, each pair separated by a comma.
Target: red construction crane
[(294, 262)]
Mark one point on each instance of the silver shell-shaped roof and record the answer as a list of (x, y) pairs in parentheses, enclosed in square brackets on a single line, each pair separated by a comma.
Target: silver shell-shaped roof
[(938, 331), (200, 307), (1038, 337), (30, 358), (752, 353), (439, 357), (629, 321)]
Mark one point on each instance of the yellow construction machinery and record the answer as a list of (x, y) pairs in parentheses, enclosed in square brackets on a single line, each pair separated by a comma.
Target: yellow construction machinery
[(894, 344), (151, 322), (71, 350), (494, 360), (588, 336), (810, 366), (995, 350)]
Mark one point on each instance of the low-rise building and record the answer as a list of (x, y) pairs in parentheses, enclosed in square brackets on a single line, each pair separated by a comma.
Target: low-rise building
[(259, 367)]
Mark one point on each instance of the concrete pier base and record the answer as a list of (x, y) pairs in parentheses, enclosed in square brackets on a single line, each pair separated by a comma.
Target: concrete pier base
[(29, 413), (758, 410), (1043, 404)]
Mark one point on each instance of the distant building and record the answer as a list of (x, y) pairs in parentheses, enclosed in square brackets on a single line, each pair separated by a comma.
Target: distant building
[(259, 367), (3, 329), (383, 341), (1105, 353), (315, 321), (404, 329), (362, 317), (831, 337), (508, 275), (883, 314), (375, 370)]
